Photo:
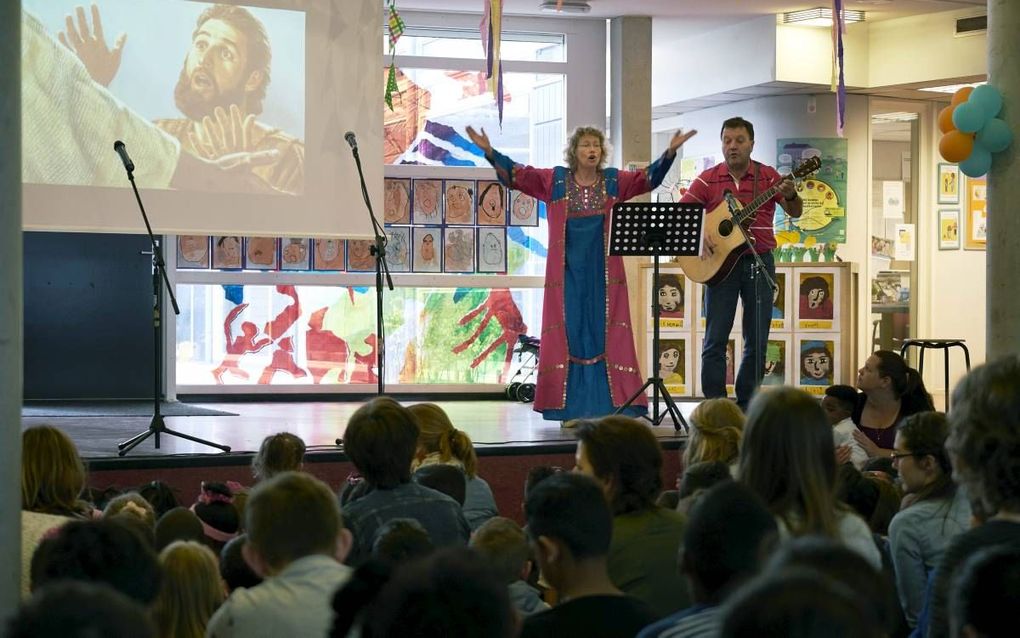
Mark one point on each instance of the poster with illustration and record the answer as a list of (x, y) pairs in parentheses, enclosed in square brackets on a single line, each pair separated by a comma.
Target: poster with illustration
[(672, 362), (460, 202), (428, 250), (781, 301), (398, 249), (428, 201), (359, 255), (949, 228), (817, 295), (977, 214), (523, 209), (396, 201), (193, 251), (733, 356), (294, 253), (817, 362), (777, 371), (670, 297), (949, 184), (492, 250), (260, 253), (824, 192), (491, 204), (328, 254), (459, 250), (226, 252)]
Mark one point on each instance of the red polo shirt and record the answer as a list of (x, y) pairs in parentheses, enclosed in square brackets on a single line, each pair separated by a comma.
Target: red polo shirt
[(709, 189)]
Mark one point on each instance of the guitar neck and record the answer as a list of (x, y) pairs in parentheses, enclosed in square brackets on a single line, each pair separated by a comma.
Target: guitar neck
[(758, 201)]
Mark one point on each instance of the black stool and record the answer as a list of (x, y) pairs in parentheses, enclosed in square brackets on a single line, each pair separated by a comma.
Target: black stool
[(938, 344)]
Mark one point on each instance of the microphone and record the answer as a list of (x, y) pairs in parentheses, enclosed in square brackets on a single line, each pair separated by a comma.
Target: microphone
[(129, 166), (349, 136)]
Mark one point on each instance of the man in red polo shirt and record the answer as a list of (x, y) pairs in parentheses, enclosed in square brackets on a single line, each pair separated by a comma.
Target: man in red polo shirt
[(745, 179)]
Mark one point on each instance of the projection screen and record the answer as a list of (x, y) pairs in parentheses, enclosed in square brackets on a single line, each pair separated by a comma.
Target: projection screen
[(233, 113)]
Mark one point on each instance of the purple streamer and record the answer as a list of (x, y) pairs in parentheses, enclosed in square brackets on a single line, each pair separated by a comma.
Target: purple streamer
[(839, 28)]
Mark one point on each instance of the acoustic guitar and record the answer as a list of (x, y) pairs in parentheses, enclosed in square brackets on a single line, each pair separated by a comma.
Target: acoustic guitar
[(720, 229)]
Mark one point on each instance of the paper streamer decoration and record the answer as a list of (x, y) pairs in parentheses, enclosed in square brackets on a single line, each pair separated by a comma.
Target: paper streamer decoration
[(396, 25), (491, 29), (838, 85)]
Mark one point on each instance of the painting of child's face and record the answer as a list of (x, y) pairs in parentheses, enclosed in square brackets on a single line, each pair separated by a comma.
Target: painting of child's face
[(491, 207), (460, 250), (397, 248), (329, 249), (227, 252), (668, 360), (395, 200), (669, 298), (816, 296), (360, 254), (426, 200), (194, 248), (295, 251), (492, 250), (262, 251), (524, 207), (817, 364), (428, 248), (458, 204)]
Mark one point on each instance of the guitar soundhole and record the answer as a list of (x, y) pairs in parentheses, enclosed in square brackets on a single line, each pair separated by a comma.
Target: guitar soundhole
[(725, 227)]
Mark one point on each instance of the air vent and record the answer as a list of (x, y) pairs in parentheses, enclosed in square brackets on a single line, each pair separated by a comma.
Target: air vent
[(971, 26)]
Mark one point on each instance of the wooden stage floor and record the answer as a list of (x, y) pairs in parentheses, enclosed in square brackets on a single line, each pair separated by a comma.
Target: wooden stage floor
[(494, 426)]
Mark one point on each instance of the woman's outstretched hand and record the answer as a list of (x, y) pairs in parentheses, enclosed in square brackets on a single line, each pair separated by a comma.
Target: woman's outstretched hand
[(481, 140), (678, 140)]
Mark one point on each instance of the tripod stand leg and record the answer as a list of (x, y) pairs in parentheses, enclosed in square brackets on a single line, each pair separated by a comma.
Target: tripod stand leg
[(156, 427), (633, 397), (671, 408), (219, 446), (126, 446)]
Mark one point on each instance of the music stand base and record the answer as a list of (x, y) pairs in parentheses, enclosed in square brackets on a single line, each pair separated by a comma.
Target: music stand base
[(156, 427), (671, 409)]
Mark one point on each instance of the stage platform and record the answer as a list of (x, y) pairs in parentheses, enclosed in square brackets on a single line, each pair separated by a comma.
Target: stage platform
[(509, 437)]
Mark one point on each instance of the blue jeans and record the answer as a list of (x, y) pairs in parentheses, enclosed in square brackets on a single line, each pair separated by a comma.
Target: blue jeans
[(721, 306)]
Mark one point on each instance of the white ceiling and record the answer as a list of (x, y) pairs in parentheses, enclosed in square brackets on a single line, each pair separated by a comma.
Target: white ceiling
[(700, 10)]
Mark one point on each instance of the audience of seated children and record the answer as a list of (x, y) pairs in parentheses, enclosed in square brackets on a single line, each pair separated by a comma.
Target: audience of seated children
[(190, 590), (839, 402), (890, 391), (381, 439), (401, 540), (73, 609), (52, 481), (728, 532), (220, 519), (296, 542), (179, 524), (984, 445), (100, 551), (234, 570), (985, 594), (717, 426), (934, 509), (280, 452), (697, 478), (439, 442), (448, 479), (625, 458), (787, 459), (503, 543), (570, 527), (452, 592)]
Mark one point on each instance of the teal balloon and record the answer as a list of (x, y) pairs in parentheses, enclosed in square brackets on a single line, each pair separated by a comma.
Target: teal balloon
[(988, 98), (969, 117), (994, 135), (979, 162)]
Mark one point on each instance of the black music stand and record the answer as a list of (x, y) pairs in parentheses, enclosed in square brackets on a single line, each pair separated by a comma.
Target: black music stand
[(639, 229)]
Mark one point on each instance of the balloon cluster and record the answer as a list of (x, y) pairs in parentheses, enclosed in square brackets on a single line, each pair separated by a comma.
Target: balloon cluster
[(971, 129)]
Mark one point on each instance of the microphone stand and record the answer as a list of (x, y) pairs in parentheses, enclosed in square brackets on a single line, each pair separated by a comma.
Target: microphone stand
[(159, 278), (758, 271), (379, 252)]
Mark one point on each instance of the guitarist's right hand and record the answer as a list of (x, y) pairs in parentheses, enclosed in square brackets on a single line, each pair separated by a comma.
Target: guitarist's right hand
[(707, 248)]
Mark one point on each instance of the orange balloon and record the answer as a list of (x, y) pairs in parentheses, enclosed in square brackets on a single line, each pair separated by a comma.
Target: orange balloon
[(962, 95), (956, 146), (946, 119)]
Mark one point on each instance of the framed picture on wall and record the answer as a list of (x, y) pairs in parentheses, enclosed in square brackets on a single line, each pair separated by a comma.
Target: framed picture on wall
[(294, 253), (427, 207), (261, 253), (428, 250), (491, 204), (977, 214), (193, 251), (673, 362), (817, 362), (398, 252), (359, 255), (328, 254), (778, 370), (396, 201), (492, 250), (226, 252), (460, 202), (949, 184), (949, 228), (459, 249), (523, 209), (674, 303)]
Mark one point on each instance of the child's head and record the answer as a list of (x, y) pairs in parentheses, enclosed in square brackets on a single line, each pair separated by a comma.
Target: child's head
[(505, 546), (838, 402)]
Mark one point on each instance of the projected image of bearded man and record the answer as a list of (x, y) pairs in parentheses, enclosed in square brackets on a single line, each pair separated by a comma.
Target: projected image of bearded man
[(221, 90)]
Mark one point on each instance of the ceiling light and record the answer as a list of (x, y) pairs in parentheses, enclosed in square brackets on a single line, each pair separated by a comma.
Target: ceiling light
[(567, 6), (819, 17), (896, 116), (949, 88)]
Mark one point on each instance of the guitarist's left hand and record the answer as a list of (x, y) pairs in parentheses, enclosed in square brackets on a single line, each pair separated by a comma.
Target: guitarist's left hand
[(787, 188)]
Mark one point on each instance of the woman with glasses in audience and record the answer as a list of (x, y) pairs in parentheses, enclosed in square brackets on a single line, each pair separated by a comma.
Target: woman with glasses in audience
[(934, 509)]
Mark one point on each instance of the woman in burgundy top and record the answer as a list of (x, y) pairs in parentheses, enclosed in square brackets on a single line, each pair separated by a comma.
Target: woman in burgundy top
[(890, 391)]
